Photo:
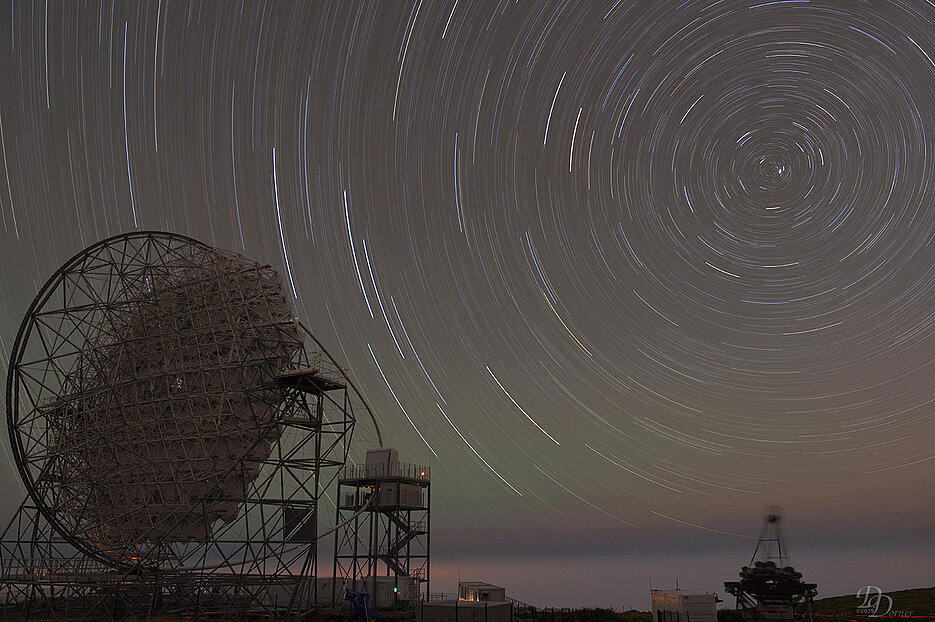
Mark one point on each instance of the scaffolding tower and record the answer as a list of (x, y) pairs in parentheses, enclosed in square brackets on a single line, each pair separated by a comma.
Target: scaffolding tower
[(382, 549)]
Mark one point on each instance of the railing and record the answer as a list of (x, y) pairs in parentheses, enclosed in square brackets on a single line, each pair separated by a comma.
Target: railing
[(41, 567), (454, 596), (397, 469)]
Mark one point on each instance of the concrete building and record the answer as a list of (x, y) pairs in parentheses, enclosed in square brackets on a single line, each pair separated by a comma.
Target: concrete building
[(683, 606), (481, 592)]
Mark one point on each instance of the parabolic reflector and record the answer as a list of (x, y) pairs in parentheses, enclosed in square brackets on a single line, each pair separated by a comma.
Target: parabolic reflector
[(143, 398)]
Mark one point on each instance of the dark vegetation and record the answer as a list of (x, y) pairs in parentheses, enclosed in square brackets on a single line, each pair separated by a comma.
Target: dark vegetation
[(585, 615), (919, 604), (920, 601)]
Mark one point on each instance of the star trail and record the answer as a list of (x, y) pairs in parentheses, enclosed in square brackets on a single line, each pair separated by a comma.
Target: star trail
[(623, 272)]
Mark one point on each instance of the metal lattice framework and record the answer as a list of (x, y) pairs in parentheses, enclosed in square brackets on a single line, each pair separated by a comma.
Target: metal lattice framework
[(173, 434), (769, 588), (384, 510)]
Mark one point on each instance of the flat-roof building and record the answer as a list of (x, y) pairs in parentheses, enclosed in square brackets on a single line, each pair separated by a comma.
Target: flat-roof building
[(482, 592), (683, 606)]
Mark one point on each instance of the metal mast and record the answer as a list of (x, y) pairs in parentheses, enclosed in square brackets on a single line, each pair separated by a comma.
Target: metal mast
[(771, 543)]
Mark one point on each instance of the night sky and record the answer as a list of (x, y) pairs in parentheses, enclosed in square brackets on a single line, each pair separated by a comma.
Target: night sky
[(623, 272)]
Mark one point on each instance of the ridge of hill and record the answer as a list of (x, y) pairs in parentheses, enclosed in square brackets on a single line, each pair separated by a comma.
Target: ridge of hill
[(918, 601)]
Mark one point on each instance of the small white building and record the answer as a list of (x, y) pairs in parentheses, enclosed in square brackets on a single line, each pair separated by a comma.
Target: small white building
[(382, 462), (387, 592), (481, 592), (683, 606), (329, 592)]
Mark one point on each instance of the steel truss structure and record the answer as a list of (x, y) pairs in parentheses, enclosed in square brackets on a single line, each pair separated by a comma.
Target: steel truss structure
[(770, 589), (173, 434), (384, 510)]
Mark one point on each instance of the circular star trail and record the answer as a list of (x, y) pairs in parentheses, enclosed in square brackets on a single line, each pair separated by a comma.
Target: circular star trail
[(624, 272)]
